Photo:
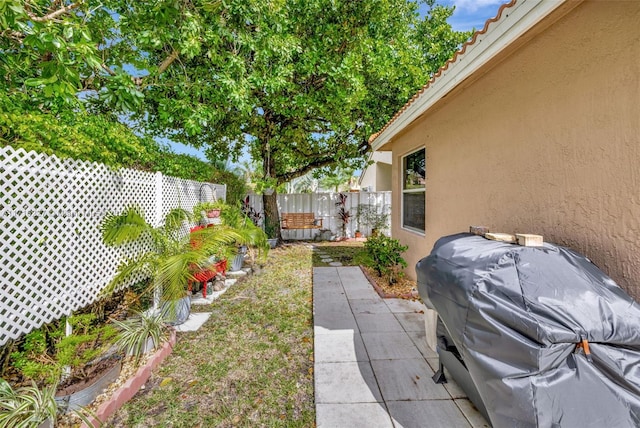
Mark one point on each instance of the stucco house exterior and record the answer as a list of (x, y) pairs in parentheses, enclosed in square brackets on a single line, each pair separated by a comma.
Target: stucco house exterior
[(376, 177), (533, 127)]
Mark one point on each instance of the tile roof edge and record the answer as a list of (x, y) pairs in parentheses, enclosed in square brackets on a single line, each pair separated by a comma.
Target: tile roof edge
[(444, 67)]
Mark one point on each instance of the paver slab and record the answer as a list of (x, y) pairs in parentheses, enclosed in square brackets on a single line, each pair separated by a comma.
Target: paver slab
[(428, 413), (358, 415), (378, 323), (351, 382), (411, 321), (364, 293), (351, 274), (325, 295), (472, 414), (330, 305), (339, 347), (328, 285), (194, 322), (407, 380), (386, 346), (326, 324), (323, 273), (403, 305), (368, 306), (419, 339), (352, 277), (434, 363)]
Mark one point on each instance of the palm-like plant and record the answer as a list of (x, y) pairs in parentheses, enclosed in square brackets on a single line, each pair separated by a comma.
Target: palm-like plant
[(170, 256), (137, 331), (250, 234), (27, 406)]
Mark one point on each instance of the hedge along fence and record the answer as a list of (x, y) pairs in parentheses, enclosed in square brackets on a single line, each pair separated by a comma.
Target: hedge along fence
[(323, 205), (52, 260)]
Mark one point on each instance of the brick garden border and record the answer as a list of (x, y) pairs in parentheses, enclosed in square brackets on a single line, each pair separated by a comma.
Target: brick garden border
[(132, 385)]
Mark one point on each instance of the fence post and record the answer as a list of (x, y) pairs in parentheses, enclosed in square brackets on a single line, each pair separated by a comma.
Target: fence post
[(158, 214), (157, 292)]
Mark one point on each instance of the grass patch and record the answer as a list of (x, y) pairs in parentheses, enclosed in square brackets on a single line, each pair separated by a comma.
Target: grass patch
[(352, 253), (250, 365), (349, 253)]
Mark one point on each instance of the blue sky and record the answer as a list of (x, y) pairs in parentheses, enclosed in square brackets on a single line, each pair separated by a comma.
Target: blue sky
[(472, 13), (468, 14)]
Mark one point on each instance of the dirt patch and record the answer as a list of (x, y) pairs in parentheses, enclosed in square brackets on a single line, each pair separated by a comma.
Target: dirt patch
[(89, 376)]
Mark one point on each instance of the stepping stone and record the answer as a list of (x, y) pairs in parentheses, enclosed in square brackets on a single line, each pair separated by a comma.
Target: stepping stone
[(336, 264), (197, 299), (326, 260), (237, 273), (194, 322)]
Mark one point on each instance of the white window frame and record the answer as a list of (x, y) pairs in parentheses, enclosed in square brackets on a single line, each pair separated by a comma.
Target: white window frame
[(417, 190)]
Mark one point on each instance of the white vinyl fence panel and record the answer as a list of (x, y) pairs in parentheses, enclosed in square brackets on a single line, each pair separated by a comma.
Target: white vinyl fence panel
[(52, 259), (323, 205)]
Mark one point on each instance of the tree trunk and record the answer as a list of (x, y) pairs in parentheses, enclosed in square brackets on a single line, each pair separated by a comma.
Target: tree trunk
[(271, 215)]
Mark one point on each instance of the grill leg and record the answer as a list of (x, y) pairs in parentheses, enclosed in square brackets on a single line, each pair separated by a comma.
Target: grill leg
[(439, 376)]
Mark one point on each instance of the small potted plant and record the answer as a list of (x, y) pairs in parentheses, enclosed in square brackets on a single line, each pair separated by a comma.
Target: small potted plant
[(270, 230), (141, 334), (250, 235), (168, 261), (210, 209)]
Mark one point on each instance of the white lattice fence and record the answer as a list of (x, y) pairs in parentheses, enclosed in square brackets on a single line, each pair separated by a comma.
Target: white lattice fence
[(52, 260)]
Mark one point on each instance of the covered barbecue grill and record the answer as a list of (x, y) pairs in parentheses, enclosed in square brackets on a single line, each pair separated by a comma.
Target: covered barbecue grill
[(536, 336)]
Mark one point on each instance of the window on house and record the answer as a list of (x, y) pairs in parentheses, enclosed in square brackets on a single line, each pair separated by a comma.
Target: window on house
[(413, 191)]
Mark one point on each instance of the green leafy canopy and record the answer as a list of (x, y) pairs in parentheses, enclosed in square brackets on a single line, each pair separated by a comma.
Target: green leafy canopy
[(300, 84)]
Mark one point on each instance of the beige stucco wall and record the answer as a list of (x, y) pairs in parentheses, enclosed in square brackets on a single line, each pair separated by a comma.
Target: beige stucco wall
[(546, 142), (378, 174), (383, 177)]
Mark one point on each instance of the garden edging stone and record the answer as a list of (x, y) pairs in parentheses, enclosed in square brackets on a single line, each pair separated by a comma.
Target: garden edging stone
[(132, 385)]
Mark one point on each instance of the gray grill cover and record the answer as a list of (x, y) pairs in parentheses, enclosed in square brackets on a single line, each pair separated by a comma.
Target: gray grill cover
[(516, 314)]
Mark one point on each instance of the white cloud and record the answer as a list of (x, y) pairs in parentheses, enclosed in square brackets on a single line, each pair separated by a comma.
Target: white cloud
[(471, 6)]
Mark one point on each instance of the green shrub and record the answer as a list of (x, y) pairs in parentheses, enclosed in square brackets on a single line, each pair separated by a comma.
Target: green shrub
[(34, 361), (236, 187), (385, 254), (46, 351)]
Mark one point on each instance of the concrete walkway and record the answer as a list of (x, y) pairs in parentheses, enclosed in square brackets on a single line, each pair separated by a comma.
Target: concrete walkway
[(373, 367)]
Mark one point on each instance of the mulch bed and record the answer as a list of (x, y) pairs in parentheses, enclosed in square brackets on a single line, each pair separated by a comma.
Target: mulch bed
[(404, 288)]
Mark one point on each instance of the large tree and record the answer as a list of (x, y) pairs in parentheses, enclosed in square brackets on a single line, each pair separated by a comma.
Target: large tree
[(301, 83)]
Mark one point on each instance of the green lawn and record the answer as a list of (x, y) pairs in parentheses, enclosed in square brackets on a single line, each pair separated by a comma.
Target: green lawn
[(250, 365)]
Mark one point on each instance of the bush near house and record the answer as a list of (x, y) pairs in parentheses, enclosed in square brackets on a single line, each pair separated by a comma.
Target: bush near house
[(385, 254)]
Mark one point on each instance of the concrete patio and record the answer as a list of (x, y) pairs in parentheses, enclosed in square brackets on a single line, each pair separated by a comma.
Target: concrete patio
[(373, 367)]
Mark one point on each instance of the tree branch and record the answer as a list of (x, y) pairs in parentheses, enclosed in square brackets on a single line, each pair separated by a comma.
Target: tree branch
[(317, 163), (108, 70), (55, 14), (168, 61), (15, 35)]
